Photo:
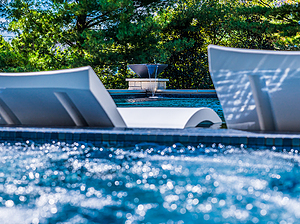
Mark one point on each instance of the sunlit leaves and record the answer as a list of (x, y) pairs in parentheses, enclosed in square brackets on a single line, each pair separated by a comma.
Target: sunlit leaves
[(108, 35)]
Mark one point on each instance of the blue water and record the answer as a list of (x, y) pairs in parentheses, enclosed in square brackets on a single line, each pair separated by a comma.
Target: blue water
[(212, 103), (147, 183)]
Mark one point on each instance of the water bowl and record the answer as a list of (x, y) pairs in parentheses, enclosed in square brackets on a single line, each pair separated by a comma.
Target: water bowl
[(147, 70)]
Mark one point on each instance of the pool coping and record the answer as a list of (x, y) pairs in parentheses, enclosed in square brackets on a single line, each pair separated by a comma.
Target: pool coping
[(125, 136)]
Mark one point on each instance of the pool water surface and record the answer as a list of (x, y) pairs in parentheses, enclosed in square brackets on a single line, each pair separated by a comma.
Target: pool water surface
[(211, 102), (147, 183), (58, 182)]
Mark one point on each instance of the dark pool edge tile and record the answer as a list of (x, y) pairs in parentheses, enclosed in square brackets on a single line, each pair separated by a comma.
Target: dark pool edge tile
[(164, 136)]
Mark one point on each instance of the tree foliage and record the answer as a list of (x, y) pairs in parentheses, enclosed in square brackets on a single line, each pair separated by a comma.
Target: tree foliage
[(105, 34), (109, 35), (196, 24)]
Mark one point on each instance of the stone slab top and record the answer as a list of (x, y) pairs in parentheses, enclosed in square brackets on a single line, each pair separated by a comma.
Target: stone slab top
[(147, 80)]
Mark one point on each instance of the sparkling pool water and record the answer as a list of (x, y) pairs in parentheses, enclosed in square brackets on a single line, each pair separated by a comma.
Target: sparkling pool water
[(210, 102), (147, 183)]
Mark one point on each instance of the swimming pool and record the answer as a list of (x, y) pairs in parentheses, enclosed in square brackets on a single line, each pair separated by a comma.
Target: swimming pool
[(105, 176), (211, 102), (147, 183)]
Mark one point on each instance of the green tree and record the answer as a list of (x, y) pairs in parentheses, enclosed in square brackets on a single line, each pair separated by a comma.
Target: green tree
[(189, 28), (286, 20), (109, 35), (192, 25), (11, 60), (105, 34)]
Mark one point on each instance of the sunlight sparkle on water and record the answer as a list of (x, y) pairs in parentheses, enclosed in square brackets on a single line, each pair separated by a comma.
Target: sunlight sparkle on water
[(147, 183)]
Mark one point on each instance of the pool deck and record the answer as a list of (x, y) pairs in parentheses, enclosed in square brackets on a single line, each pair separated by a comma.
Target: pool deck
[(129, 136)]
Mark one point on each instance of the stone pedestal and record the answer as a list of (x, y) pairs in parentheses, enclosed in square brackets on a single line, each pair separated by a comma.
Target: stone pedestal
[(147, 84)]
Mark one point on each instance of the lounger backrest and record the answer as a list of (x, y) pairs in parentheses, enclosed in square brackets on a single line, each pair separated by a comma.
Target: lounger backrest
[(72, 97), (258, 89)]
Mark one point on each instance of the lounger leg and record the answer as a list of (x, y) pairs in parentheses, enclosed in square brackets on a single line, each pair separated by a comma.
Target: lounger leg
[(262, 103)]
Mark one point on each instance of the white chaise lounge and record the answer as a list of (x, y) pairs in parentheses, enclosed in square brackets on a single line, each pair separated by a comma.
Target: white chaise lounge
[(258, 89), (76, 97)]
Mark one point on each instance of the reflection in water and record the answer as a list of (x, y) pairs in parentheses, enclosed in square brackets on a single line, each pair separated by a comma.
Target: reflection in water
[(140, 100)]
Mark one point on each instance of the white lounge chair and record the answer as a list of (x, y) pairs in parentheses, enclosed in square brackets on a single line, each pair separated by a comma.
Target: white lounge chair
[(258, 89), (76, 97)]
